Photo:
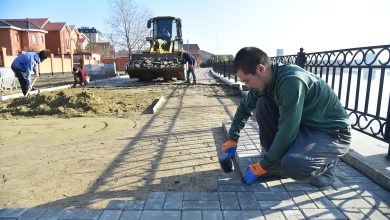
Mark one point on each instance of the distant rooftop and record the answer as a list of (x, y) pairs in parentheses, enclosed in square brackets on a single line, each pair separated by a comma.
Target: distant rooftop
[(88, 30)]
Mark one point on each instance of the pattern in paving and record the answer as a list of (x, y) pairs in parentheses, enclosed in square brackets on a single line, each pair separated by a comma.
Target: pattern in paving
[(351, 196)]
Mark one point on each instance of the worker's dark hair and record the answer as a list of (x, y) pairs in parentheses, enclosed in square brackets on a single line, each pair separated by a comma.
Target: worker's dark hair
[(248, 58), (42, 55), (75, 69)]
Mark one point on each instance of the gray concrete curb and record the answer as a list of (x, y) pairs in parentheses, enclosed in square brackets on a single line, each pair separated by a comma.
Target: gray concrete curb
[(17, 95), (158, 104), (357, 161)]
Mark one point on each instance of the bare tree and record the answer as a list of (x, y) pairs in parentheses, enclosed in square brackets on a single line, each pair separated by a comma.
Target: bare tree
[(127, 25)]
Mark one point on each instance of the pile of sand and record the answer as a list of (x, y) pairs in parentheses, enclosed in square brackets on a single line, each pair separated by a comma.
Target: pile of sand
[(80, 102)]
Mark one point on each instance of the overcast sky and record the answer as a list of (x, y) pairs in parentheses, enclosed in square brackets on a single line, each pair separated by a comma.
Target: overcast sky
[(227, 25)]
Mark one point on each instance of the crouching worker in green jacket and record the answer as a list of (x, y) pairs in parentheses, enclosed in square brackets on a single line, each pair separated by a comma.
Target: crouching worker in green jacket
[(303, 127)]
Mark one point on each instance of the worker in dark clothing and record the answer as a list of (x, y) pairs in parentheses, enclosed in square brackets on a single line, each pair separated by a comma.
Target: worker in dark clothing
[(303, 127), (186, 57), (80, 76), (26, 64)]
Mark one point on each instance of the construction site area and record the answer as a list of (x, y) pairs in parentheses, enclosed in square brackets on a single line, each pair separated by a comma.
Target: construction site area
[(81, 147)]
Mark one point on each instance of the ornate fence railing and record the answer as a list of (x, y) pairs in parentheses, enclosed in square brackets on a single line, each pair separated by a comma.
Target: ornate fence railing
[(359, 76), (225, 68)]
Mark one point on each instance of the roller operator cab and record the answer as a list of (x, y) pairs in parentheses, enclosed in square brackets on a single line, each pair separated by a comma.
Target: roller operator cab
[(161, 59)]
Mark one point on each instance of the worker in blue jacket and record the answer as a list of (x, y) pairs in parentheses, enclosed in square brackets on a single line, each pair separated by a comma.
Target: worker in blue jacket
[(24, 65), (186, 57)]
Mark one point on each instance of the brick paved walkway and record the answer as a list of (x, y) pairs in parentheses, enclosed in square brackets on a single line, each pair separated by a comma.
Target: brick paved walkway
[(352, 196)]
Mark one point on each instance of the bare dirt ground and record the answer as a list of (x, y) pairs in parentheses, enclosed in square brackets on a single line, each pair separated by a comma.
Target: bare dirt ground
[(85, 147)]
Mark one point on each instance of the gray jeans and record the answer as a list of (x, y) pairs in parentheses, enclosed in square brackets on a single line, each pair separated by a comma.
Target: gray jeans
[(313, 149)]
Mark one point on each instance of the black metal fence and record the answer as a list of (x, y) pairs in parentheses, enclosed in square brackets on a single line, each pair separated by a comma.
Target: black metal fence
[(225, 68), (359, 76)]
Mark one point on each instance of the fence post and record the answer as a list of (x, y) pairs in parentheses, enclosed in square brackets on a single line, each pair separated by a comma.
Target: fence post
[(229, 73), (387, 131), (301, 58), (224, 68)]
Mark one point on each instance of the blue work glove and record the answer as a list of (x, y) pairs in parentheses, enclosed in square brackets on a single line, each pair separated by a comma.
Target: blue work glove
[(230, 147), (254, 171)]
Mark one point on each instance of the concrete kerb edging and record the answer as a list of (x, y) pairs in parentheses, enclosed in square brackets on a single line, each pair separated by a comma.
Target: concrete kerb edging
[(352, 158), (17, 95), (355, 160), (158, 104)]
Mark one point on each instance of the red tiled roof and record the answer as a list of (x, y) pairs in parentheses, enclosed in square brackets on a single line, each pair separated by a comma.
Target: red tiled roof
[(40, 22), (54, 26)]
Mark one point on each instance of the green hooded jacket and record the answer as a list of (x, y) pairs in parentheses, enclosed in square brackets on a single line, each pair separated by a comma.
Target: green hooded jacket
[(303, 99)]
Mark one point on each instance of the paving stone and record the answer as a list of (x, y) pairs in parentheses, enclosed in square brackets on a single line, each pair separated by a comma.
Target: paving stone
[(293, 214), (173, 201), (247, 201), (201, 196), (130, 215), (351, 203), (160, 215), (383, 194), (275, 185), (277, 205), (259, 187), (352, 172), (320, 200), (111, 215), (376, 201), (212, 215), (342, 193), (364, 185), (51, 214), (116, 204), (385, 211), (11, 212), (32, 214), (273, 215), (229, 181), (267, 196), (155, 201), (191, 215), (74, 214), (300, 187), (134, 205), (302, 200), (323, 214), (353, 214), (234, 188), (229, 201), (201, 205), (374, 214), (243, 215), (360, 179)]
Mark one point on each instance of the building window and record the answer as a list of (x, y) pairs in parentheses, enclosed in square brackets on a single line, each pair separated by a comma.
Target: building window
[(34, 38), (16, 37), (67, 43), (42, 39)]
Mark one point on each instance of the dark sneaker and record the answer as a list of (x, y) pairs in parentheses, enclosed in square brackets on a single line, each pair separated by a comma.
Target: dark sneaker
[(327, 177)]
